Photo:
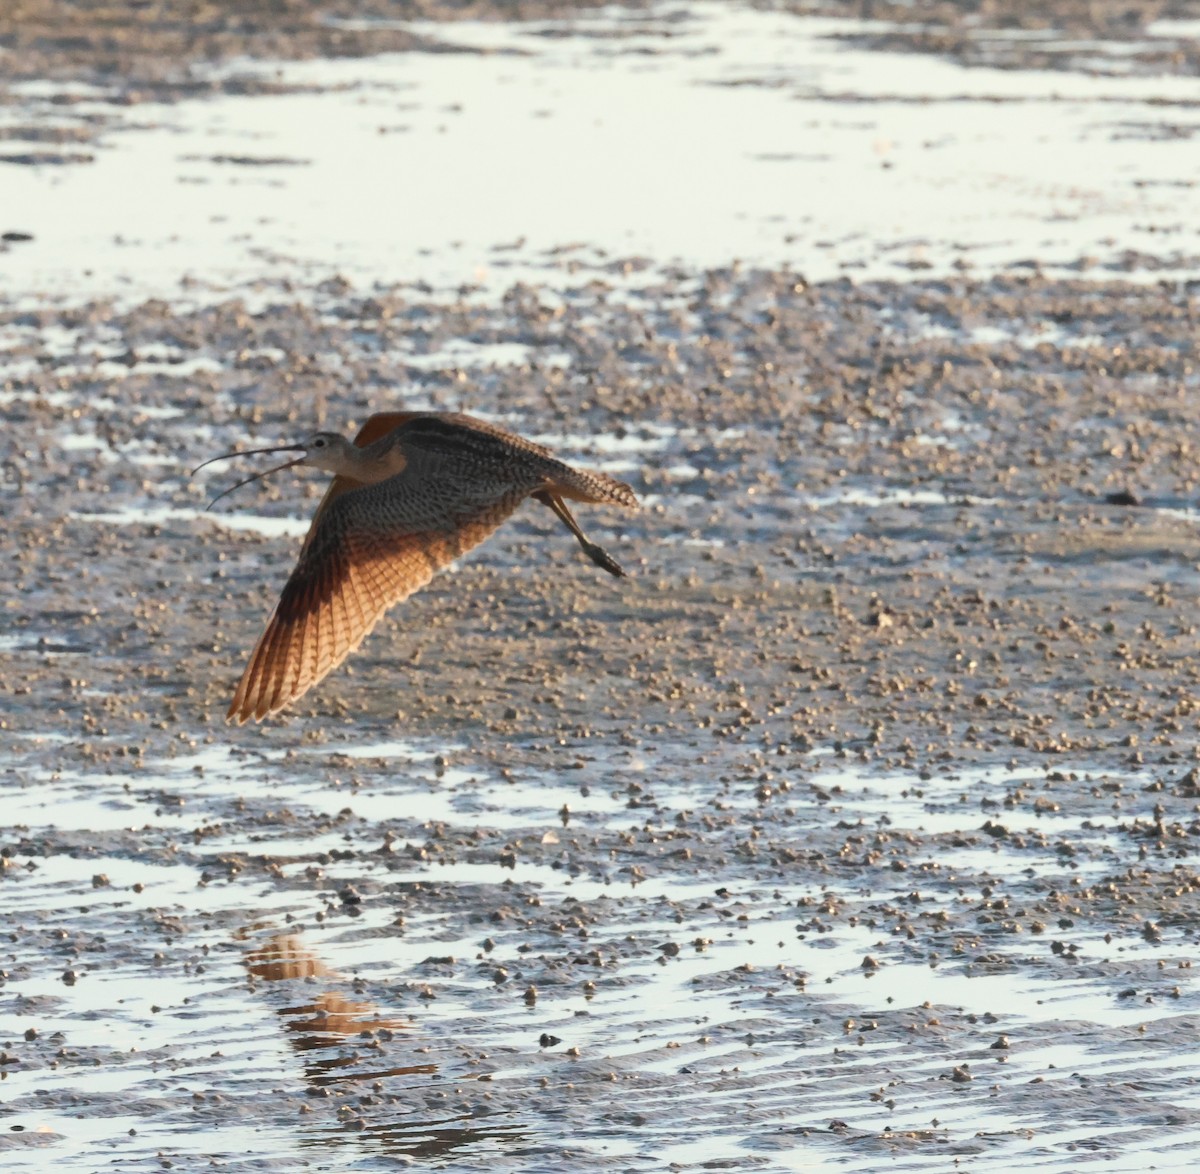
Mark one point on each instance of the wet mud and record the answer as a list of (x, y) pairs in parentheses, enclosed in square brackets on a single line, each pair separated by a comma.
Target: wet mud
[(122, 56), (856, 828), (1107, 39), (159, 50), (903, 686)]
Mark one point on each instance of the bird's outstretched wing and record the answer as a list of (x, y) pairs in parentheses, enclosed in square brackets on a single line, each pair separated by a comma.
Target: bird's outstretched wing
[(369, 547)]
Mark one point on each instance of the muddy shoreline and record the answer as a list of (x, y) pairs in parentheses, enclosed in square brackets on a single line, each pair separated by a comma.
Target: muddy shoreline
[(155, 50), (1104, 40)]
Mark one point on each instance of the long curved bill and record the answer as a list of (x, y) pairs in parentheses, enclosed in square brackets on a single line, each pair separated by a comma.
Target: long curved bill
[(251, 452)]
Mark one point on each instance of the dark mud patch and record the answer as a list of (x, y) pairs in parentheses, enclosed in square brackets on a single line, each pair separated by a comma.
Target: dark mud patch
[(159, 50), (107, 58), (860, 822), (47, 158), (1108, 39)]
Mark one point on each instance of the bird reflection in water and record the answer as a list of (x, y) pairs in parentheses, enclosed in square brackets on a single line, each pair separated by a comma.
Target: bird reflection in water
[(343, 1040), (328, 1018)]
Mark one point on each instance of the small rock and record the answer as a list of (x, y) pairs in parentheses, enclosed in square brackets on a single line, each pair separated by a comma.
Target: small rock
[(1122, 497)]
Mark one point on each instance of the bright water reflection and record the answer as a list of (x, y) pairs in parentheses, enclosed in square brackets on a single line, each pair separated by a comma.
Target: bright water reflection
[(746, 133)]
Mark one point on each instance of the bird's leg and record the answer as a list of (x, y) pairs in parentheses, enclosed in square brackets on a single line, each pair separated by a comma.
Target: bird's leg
[(597, 554)]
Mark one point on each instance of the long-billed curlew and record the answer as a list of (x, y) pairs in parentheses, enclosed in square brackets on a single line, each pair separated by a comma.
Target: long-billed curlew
[(413, 492)]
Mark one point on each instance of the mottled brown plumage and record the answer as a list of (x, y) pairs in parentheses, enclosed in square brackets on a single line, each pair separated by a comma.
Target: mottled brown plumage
[(412, 493)]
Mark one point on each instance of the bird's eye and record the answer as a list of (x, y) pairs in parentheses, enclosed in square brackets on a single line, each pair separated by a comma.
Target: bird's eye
[(319, 442)]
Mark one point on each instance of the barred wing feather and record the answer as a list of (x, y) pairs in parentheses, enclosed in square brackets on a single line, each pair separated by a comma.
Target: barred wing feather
[(369, 548)]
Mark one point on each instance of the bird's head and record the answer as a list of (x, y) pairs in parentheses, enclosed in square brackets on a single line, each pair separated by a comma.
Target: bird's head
[(322, 450), (326, 450)]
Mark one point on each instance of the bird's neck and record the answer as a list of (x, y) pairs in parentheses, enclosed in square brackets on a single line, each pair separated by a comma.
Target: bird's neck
[(376, 462)]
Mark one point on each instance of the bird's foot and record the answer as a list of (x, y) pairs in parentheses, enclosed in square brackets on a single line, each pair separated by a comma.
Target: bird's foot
[(603, 559)]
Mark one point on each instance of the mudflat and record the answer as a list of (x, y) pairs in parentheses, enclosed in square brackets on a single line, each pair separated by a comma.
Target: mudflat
[(857, 827)]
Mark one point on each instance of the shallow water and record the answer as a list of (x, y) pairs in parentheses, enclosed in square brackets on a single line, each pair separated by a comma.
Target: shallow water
[(724, 999), (699, 135)]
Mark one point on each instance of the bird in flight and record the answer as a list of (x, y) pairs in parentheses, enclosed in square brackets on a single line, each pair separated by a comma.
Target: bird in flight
[(413, 492)]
